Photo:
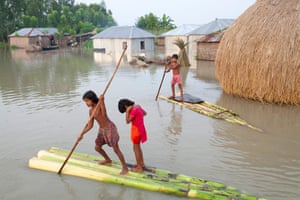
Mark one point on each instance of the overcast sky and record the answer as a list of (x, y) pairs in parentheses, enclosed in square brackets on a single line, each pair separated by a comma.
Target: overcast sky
[(126, 12)]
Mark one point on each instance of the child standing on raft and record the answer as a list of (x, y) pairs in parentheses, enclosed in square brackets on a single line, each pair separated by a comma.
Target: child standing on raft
[(175, 67), (135, 114), (108, 132)]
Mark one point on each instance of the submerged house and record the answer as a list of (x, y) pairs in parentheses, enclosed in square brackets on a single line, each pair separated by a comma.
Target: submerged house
[(112, 41), (192, 34), (208, 45), (209, 32), (29, 38), (167, 39)]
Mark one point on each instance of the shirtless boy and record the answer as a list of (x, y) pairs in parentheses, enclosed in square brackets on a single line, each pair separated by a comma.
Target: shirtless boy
[(108, 132), (175, 67)]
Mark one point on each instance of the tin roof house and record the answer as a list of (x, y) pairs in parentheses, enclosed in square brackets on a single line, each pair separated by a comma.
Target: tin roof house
[(112, 41), (215, 26), (167, 39), (30, 38)]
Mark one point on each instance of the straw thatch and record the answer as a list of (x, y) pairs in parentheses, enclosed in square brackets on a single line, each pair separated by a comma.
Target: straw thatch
[(183, 58), (258, 57)]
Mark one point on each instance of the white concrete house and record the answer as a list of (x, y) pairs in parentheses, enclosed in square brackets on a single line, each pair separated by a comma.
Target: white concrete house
[(111, 41), (170, 37)]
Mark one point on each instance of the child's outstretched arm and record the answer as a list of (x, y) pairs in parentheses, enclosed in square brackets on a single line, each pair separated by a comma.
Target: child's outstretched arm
[(87, 127)]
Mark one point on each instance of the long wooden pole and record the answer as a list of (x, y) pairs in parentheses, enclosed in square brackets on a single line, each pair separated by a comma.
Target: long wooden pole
[(162, 79), (93, 113)]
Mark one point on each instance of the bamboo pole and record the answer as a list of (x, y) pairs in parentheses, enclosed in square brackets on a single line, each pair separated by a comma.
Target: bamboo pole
[(162, 79), (97, 106)]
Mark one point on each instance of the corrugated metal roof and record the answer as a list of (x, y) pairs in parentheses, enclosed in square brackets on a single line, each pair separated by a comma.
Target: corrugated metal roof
[(214, 26), (181, 30), (125, 32), (48, 31), (213, 37), (34, 32)]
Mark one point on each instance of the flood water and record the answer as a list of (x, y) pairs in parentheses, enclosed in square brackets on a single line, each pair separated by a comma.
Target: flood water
[(40, 107)]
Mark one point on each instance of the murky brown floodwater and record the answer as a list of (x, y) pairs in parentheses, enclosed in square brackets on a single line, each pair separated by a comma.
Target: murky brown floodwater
[(40, 107)]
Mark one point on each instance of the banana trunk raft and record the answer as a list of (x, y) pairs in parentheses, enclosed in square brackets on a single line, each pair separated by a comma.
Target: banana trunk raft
[(209, 109), (152, 179)]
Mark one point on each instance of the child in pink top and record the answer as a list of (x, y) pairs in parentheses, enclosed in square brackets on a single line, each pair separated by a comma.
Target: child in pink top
[(135, 114)]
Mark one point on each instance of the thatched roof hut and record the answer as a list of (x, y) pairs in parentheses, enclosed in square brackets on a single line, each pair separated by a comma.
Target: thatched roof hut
[(258, 57)]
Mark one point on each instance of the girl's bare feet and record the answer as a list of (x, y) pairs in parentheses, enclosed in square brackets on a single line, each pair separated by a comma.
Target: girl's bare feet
[(137, 169), (105, 162), (124, 171)]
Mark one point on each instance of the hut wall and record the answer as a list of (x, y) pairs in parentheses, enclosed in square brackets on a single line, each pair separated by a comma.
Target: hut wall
[(137, 46), (192, 49), (114, 47), (45, 41), (170, 47), (20, 42), (160, 41), (26, 42), (207, 50)]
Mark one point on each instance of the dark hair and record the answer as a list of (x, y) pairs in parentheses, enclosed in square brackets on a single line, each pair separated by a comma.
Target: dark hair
[(175, 56), (91, 95), (123, 103)]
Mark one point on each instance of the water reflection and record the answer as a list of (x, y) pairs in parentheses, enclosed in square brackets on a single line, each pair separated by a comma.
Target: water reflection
[(27, 78), (175, 127), (206, 71), (184, 73), (113, 57), (271, 157)]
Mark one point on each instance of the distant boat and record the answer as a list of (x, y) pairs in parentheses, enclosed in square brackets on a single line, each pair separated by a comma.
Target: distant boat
[(50, 48)]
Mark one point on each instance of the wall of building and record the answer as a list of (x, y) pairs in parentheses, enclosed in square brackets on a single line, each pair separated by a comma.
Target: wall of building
[(26, 42), (114, 47), (192, 50), (20, 42), (207, 51), (170, 47)]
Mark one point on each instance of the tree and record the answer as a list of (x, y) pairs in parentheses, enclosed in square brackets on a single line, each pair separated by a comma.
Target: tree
[(154, 24), (62, 14), (10, 16)]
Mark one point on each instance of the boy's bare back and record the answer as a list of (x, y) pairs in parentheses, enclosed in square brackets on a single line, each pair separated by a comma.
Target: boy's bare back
[(100, 115)]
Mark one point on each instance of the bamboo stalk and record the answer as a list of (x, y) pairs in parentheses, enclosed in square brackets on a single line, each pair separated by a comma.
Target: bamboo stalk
[(193, 183), (214, 111), (153, 183)]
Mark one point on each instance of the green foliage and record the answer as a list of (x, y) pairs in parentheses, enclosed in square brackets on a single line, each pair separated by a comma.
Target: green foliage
[(2, 44), (88, 45), (65, 15), (154, 24), (13, 47)]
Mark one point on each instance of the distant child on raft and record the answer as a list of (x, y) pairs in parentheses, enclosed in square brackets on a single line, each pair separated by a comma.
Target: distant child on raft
[(135, 114), (175, 67), (108, 132)]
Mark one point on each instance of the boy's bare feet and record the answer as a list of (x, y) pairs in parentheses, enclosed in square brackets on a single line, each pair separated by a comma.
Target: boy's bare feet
[(124, 171), (171, 97), (181, 99), (137, 169), (105, 162)]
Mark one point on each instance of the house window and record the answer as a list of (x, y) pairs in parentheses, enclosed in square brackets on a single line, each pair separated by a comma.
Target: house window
[(124, 45), (142, 45)]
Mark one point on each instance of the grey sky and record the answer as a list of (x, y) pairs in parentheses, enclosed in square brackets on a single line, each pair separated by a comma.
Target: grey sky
[(126, 12)]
